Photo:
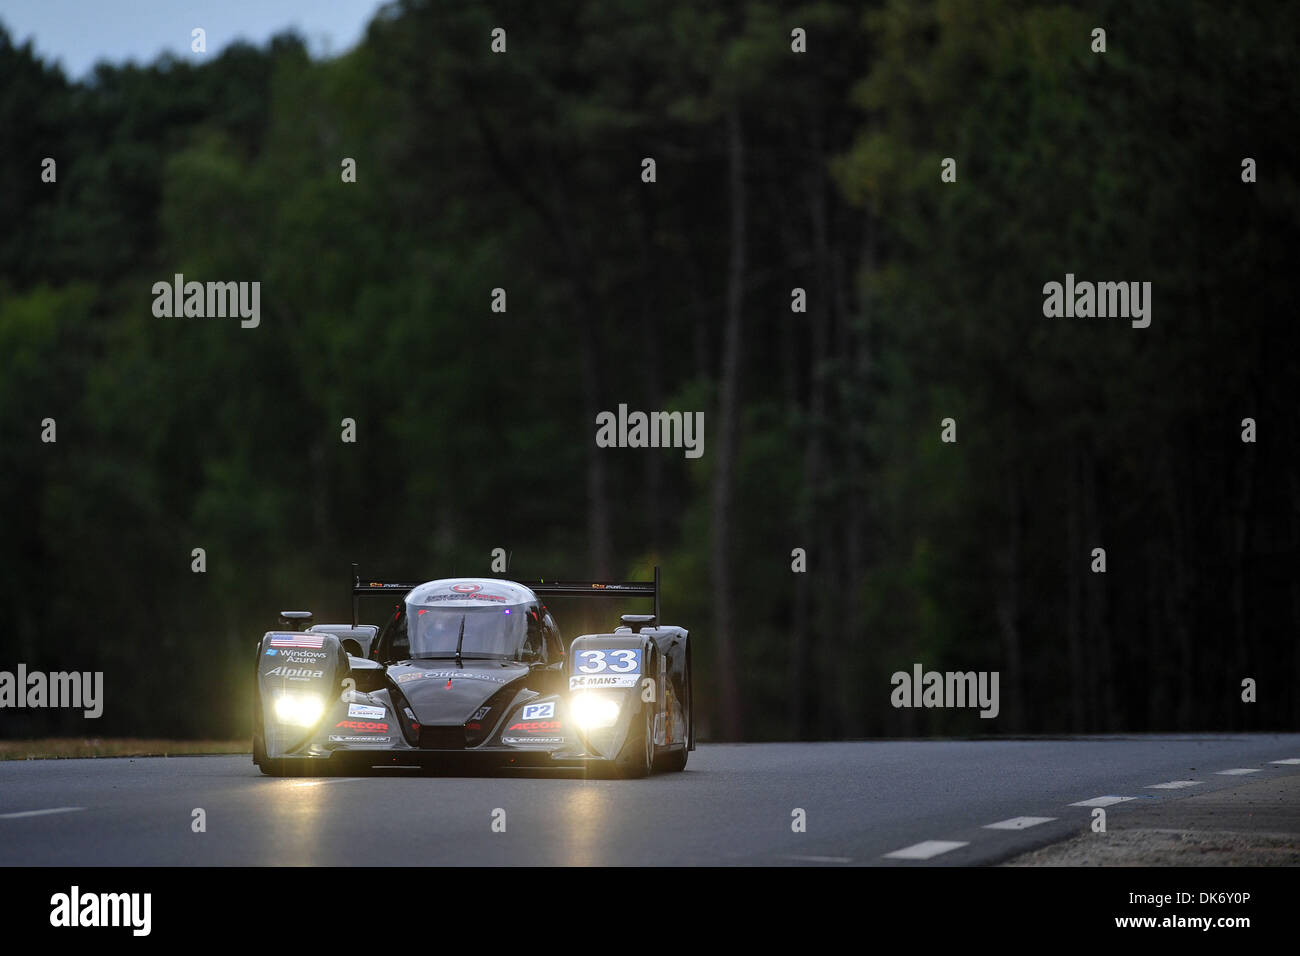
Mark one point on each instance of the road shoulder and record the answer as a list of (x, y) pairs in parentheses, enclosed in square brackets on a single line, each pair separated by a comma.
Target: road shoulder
[(1254, 824)]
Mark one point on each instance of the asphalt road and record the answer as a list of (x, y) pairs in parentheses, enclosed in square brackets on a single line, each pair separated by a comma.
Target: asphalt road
[(734, 804)]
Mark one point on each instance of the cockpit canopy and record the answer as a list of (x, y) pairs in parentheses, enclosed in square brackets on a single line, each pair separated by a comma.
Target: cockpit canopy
[(443, 631), (473, 619)]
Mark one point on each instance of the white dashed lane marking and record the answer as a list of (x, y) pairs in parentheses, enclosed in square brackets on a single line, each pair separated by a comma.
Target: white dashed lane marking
[(38, 813), (1288, 760), (925, 849), (1018, 823), (928, 849), (1101, 801)]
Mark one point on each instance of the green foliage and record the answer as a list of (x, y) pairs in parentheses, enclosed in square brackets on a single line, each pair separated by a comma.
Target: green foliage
[(477, 171)]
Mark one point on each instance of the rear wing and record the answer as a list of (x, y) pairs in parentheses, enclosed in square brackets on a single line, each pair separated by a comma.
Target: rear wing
[(608, 589)]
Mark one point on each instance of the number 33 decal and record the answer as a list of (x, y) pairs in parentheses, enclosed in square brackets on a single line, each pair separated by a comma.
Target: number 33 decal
[(626, 661)]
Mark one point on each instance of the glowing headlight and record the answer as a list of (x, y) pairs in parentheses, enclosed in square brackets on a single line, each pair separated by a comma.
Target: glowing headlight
[(592, 711), (302, 710)]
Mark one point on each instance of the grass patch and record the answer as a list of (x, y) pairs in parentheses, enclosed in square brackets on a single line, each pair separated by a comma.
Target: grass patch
[(116, 747)]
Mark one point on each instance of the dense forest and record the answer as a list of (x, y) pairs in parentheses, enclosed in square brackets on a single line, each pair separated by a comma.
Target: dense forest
[(796, 264)]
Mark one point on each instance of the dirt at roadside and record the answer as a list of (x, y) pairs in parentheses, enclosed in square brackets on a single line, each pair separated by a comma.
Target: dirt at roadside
[(49, 747), (1254, 824)]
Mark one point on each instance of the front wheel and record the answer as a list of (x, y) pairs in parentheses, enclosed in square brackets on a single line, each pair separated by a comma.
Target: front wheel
[(279, 767), (674, 761), (638, 756)]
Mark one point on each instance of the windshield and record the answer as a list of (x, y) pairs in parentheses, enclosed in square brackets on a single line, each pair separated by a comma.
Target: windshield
[(488, 631)]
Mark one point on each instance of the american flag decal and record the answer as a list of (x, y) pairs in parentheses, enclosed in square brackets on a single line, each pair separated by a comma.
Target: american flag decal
[(297, 640)]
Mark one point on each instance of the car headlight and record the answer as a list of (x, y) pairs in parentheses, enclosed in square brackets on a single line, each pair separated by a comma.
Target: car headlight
[(593, 711), (301, 710)]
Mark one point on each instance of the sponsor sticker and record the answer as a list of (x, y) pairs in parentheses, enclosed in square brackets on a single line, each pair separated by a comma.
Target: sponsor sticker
[(294, 656), (295, 673), (366, 711), (449, 675), (532, 740), (534, 726), (335, 739), (606, 680), (375, 725)]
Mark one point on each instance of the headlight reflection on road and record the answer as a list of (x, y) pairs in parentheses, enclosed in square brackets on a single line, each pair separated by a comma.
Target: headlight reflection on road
[(296, 814), (587, 814)]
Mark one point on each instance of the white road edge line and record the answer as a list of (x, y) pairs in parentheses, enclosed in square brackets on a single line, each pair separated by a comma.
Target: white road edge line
[(1288, 760), (926, 849), (1239, 771), (1101, 801), (38, 813), (1173, 785), (1018, 823)]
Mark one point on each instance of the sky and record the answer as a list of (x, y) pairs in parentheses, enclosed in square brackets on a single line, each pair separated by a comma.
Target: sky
[(78, 33)]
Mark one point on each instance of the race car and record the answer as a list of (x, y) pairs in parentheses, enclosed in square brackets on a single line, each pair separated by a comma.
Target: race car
[(474, 670)]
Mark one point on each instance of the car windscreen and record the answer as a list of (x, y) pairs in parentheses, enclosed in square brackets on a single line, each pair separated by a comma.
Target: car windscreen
[(488, 631)]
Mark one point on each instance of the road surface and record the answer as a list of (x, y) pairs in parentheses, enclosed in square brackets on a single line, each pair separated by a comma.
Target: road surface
[(889, 803)]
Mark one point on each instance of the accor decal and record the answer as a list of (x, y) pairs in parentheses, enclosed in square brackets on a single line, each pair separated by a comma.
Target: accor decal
[(362, 725)]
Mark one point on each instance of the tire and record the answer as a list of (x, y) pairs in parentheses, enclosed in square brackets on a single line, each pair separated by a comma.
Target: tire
[(637, 759), (672, 762), (278, 767), (675, 760)]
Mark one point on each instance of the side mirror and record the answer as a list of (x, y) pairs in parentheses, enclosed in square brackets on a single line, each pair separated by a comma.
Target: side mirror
[(295, 620)]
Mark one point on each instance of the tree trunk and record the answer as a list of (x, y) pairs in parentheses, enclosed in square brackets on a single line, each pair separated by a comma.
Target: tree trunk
[(650, 370), (807, 677), (1009, 602), (727, 441), (1077, 565)]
